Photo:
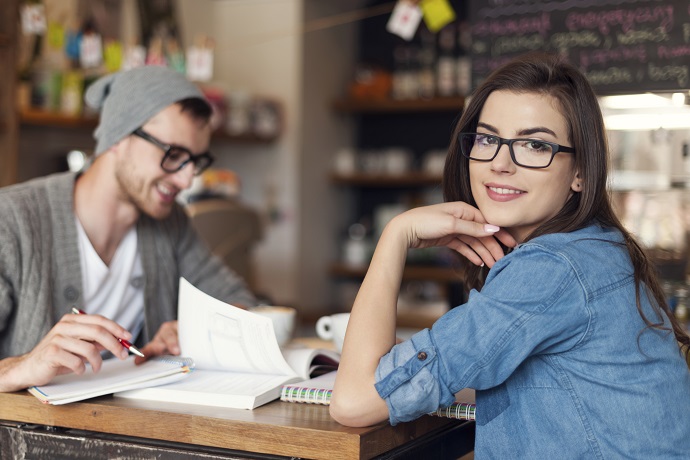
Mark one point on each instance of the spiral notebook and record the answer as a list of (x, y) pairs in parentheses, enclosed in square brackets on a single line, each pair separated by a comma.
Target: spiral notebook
[(463, 408), (312, 391), (114, 375), (320, 389)]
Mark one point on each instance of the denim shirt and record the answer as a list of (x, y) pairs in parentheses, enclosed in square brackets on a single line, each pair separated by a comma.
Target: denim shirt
[(558, 354)]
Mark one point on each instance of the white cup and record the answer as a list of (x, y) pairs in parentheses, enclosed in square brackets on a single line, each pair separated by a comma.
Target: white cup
[(333, 328), (345, 161), (283, 321), (397, 161)]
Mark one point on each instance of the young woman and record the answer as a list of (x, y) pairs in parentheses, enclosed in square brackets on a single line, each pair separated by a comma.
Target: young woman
[(567, 339)]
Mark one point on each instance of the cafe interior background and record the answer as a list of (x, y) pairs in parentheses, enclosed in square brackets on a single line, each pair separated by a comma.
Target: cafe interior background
[(328, 124)]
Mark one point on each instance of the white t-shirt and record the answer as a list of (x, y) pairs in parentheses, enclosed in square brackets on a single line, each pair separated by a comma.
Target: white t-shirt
[(115, 291)]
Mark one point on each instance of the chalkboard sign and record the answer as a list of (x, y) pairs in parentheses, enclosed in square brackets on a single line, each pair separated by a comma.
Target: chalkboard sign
[(623, 46)]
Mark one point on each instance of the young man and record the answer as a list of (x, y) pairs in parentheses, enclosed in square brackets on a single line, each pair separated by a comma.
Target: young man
[(110, 241)]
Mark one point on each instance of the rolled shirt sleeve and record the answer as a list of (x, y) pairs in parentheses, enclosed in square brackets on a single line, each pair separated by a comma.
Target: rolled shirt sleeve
[(407, 379)]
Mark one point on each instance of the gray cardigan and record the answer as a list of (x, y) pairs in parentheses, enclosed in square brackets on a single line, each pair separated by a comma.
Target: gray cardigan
[(40, 272)]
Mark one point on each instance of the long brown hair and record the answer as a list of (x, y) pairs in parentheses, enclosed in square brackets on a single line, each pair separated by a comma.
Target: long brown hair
[(549, 74)]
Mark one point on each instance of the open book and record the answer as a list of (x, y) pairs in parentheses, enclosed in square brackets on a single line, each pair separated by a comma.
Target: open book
[(115, 375), (238, 362)]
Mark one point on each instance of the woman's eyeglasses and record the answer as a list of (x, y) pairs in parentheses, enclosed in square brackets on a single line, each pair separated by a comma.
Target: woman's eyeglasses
[(177, 157), (528, 153)]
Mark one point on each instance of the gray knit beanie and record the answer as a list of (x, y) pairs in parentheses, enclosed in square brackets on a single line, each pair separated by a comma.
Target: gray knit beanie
[(128, 99)]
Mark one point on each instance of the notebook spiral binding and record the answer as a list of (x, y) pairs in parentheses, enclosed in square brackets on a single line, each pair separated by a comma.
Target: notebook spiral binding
[(306, 395)]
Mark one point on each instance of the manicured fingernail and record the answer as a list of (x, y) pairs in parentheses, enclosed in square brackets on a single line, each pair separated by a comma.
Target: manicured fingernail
[(491, 228)]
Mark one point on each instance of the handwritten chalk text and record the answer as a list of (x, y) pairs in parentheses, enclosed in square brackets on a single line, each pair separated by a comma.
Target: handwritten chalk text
[(540, 24), (670, 52), (633, 37), (603, 56), (625, 19), (518, 44), (610, 76), (679, 73), (582, 38)]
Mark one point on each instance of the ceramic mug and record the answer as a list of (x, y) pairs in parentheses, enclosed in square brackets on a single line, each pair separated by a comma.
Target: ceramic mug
[(283, 321), (333, 328)]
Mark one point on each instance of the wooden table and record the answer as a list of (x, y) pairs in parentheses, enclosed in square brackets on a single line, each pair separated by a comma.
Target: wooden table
[(106, 427)]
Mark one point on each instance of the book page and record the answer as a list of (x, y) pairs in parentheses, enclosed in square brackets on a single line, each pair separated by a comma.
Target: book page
[(220, 389), (307, 361), (222, 337), (229, 383), (322, 382)]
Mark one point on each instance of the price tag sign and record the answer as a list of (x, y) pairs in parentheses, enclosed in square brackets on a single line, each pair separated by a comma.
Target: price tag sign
[(437, 14), (404, 20), (33, 19), (135, 56), (91, 51), (199, 63)]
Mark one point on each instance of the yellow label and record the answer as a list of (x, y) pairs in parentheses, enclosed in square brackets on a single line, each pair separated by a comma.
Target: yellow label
[(437, 13), (55, 36), (112, 55)]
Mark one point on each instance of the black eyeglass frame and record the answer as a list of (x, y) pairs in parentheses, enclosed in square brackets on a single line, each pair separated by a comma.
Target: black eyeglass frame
[(168, 148), (555, 148)]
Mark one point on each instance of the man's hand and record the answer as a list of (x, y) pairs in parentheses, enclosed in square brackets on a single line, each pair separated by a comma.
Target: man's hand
[(165, 342), (74, 341)]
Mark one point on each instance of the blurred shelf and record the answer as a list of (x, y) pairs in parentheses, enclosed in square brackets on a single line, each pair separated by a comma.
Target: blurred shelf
[(248, 138), (411, 179), (440, 104), (36, 117), (417, 319), (411, 272)]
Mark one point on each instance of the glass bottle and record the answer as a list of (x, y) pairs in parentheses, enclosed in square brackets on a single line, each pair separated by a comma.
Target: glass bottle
[(446, 64)]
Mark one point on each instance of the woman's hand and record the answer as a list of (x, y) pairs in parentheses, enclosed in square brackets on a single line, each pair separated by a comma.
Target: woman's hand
[(165, 342), (455, 225)]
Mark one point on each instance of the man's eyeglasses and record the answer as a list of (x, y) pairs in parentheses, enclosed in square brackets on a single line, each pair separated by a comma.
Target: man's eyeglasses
[(528, 153), (177, 157)]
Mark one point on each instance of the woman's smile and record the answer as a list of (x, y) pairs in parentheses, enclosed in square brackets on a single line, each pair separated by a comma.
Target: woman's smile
[(503, 193)]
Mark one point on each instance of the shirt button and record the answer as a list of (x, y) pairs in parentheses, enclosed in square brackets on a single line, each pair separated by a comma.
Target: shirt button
[(137, 282), (421, 356), (71, 293)]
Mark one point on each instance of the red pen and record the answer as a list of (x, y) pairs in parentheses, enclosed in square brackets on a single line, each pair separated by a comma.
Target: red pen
[(124, 343)]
